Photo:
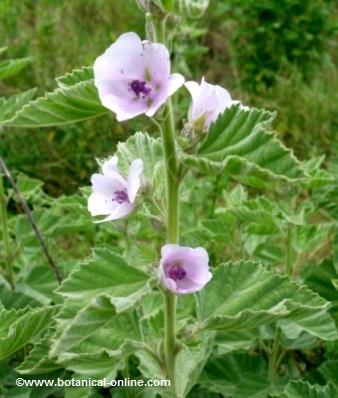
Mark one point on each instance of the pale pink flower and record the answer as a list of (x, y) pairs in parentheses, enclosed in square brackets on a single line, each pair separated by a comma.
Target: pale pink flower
[(184, 270), (113, 195), (208, 102), (133, 77)]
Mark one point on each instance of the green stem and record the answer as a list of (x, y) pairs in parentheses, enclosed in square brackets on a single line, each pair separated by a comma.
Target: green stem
[(3, 205), (289, 252), (172, 179), (273, 360), (172, 223), (170, 331)]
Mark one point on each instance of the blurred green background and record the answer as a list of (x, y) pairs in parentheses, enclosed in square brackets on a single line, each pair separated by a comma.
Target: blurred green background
[(281, 55)]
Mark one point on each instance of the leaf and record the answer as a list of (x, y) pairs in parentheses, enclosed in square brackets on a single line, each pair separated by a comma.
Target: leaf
[(141, 145), (301, 389), (190, 362), (237, 376), (239, 145), (17, 328), (9, 106), (39, 283), (15, 300), (75, 76), (96, 314), (227, 342), (319, 324), (64, 105), (100, 365), (245, 295), (38, 361), (96, 329), (106, 273), (258, 213), (12, 67), (80, 392), (329, 370), (320, 279)]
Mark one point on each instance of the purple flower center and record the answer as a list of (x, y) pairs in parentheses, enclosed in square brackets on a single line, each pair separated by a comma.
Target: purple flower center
[(120, 197), (176, 272), (139, 87)]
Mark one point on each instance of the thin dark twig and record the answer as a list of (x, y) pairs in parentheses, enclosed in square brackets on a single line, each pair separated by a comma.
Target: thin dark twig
[(29, 215)]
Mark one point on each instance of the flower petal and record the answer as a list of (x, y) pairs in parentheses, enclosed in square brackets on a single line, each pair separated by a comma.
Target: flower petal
[(124, 56), (123, 107), (208, 101), (110, 169), (196, 265), (157, 61), (107, 185), (186, 286), (133, 182), (99, 204), (171, 249), (119, 211), (193, 88), (173, 83)]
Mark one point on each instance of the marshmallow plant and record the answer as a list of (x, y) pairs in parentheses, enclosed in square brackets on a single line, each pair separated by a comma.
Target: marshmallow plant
[(133, 77)]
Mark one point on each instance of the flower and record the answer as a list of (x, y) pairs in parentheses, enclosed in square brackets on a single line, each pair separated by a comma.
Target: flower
[(208, 101), (133, 77), (113, 195), (184, 269)]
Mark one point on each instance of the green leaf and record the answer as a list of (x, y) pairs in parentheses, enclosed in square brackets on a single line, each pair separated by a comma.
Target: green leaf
[(17, 328), (38, 361), (259, 213), (75, 76), (93, 316), (80, 392), (329, 370), (100, 365), (95, 333), (319, 324), (320, 279), (141, 145), (106, 273), (39, 283), (245, 295), (237, 376), (190, 362), (12, 67), (9, 106), (301, 389), (227, 342), (15, 300), (64, 105), (239, 145)]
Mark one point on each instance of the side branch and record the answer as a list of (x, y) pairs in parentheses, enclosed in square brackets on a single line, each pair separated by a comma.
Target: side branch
[(30, 218)]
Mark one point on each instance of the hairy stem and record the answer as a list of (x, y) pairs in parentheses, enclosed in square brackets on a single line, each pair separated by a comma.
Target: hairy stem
[(172, 224), (289, 252), (273, 360), (5, 234)]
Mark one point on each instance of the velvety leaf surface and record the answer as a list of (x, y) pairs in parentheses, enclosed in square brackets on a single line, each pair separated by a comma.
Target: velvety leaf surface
[(239, 145), (64, 105)]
